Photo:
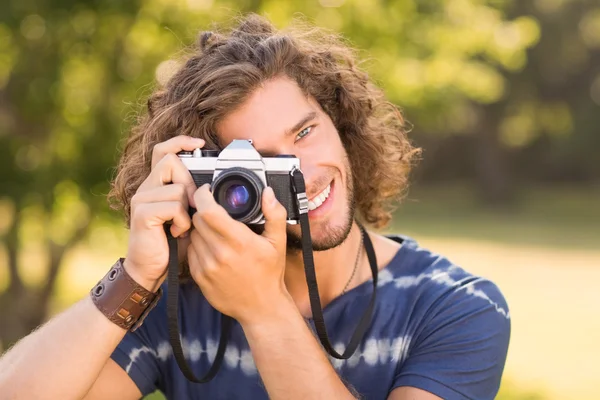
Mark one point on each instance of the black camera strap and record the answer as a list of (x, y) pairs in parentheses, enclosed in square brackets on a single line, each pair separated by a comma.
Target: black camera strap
[(173, 320), (313, 292), (311, 277)]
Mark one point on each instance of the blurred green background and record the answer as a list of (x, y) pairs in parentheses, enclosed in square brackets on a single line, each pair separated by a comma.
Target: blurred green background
[(503, 96)]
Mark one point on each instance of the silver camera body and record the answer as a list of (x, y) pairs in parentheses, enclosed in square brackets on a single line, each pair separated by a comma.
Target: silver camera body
[(238, 174)]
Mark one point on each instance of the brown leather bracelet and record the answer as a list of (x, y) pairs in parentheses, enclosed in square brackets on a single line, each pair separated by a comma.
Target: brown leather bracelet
[(122, 300)]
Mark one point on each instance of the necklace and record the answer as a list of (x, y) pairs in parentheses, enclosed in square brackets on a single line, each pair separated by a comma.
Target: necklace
[(360, 246)]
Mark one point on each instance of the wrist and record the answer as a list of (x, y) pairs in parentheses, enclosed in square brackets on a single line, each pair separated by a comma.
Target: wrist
[(281, 310), (121, 299), (151, 285)]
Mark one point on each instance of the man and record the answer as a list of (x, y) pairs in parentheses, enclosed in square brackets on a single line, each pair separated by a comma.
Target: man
[(436, 330)]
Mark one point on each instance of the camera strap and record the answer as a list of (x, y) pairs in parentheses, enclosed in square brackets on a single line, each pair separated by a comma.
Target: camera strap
[(311, 277), (313, 292), (173, 320)]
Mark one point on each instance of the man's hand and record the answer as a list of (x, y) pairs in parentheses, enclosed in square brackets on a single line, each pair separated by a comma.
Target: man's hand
[(164, 196), (239, 272)]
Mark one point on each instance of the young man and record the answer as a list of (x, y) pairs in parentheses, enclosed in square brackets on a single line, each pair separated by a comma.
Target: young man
[(436, 331)]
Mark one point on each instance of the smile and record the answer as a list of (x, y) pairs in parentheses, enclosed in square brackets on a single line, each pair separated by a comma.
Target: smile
[(319, 199)]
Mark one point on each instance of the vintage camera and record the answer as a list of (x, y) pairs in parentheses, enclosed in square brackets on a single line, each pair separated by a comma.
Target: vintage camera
[(238, 174)]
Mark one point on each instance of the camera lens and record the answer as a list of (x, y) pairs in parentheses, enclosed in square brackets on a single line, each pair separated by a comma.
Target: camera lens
[(237, 196), (238, 190)]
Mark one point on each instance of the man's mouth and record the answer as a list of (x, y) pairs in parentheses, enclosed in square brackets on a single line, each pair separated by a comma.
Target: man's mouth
[(319, 199)]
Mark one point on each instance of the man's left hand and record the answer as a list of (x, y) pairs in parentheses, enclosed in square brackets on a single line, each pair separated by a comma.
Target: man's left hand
[(239, 272)]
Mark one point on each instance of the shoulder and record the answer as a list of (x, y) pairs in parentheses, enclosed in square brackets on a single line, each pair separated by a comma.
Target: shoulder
[(460, 324), (435, 281), (446, 305)]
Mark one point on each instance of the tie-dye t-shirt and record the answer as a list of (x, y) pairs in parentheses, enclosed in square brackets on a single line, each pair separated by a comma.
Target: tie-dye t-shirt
[(434, 327)]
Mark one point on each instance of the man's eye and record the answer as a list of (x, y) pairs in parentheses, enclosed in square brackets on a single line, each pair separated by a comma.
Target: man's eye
[(303, 132)]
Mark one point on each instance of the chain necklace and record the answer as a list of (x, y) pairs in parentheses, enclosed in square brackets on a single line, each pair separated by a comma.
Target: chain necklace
[(360, 246)]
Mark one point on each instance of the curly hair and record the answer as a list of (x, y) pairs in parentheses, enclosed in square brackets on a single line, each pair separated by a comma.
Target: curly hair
[(223, 70)]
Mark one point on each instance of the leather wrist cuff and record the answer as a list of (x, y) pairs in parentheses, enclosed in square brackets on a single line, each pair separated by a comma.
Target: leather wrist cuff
[(122, 300)]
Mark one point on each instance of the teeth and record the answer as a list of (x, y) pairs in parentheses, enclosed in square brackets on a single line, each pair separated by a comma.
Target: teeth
[(322, 197), (319, 199), (317, 202)]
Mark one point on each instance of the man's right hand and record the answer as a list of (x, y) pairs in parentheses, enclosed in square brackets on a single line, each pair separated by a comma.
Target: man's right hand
[(164, 196)]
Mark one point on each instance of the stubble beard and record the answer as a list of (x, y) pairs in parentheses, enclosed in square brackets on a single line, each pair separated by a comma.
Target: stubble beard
[(334, 235)]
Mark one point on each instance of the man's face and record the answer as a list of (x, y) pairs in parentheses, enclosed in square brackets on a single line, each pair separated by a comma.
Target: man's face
[(281, 119)]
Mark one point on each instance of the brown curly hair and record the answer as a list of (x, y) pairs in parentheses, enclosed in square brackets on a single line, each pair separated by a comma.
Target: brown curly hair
[(222, 71)]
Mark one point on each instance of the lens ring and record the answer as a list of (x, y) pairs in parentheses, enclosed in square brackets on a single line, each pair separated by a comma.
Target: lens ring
[(228, 183)]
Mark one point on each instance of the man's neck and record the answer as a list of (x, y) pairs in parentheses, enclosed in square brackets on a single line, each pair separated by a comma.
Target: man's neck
[(333, 268)]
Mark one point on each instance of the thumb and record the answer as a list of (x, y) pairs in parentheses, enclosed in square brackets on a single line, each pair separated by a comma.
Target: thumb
[(275, 217)]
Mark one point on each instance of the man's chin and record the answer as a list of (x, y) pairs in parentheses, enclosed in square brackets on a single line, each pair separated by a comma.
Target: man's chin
[(323, 238)]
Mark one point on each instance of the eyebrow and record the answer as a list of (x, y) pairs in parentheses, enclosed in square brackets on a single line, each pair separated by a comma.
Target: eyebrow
[(308, 117)]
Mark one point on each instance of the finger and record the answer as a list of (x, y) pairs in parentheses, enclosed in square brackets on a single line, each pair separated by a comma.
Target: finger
[(174, 146), (222, 249), (169, 170), (207, 233), (172, 192), (196, 268), (149, 215), (275, 218), (215, 216), (205, 261)]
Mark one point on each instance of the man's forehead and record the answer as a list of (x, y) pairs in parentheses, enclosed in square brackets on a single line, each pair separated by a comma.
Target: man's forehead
[(269, 114)]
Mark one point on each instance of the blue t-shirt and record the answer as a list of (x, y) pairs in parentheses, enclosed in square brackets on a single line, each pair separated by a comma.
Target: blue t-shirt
[(434, 327)]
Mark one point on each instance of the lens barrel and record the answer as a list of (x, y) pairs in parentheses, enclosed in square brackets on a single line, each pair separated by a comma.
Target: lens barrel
[(239, 191)]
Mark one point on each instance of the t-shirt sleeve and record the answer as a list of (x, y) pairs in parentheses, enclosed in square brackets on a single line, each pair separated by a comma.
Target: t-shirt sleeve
[(140, 352), (461, 349)]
